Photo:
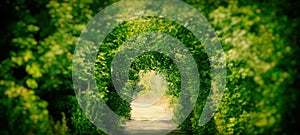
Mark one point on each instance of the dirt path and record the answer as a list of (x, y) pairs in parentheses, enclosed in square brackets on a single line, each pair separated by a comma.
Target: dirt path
[(151, 112), (161, 110), (155, 127), (153, 119)]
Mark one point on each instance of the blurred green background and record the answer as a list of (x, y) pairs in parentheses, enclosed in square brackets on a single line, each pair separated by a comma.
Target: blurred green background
[(260, 40)]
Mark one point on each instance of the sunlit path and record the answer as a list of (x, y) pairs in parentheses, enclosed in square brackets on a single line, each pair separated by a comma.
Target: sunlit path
[(157, 111), (151, 111), (155, 127)]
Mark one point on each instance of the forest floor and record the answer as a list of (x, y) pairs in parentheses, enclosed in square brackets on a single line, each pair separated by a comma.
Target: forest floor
[(151, 110), (153, 119)]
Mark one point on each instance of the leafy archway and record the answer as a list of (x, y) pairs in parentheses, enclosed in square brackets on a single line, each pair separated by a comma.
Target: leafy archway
[(151, 61), (158, 65)]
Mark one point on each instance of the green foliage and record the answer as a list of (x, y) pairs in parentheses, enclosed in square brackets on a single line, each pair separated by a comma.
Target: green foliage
[(260, 40), (36, 74), (81, 123), (153, 61), (254, 101), (23, 106)]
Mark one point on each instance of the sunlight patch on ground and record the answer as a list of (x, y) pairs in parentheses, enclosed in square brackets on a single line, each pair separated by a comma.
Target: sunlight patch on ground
[(151, 103)]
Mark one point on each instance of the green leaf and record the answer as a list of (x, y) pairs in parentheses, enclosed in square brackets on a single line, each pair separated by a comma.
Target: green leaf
[(31, 83)]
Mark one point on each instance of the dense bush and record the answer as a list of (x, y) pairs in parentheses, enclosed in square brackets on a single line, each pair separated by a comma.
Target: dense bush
[(259, 39), (36, 87)]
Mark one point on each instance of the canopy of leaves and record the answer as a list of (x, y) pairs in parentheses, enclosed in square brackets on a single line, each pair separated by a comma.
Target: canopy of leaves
[(260, 40)]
